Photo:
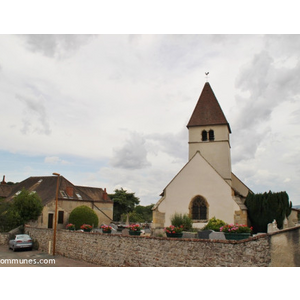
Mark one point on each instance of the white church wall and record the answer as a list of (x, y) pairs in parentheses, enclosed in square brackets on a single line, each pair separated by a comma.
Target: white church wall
[(198, 178)]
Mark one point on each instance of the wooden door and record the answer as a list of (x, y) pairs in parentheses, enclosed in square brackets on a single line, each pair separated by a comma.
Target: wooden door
[(50, 220)]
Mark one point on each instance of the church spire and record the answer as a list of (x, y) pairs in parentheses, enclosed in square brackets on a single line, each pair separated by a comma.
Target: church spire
[(208, 110), (209, 133)]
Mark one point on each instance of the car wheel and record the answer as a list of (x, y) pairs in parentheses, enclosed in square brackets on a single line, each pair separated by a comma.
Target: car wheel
[(14, 248)]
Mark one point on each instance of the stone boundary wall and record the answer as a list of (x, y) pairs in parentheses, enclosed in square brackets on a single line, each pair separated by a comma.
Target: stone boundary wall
[(277, 249), (285, 248), (4, 238), (134, 251)]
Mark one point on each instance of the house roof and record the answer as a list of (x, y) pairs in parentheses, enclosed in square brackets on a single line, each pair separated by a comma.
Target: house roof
[(208, 110), (45, 187), (5, 190)]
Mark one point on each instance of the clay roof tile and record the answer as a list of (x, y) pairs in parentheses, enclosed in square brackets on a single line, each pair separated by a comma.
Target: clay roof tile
[(208, 110)]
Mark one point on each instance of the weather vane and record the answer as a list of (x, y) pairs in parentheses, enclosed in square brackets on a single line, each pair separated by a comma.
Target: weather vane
[(206, 75)]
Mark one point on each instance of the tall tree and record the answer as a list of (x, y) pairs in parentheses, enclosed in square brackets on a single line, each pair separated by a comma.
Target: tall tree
[(124, 203), (28, 205), (264, 208)]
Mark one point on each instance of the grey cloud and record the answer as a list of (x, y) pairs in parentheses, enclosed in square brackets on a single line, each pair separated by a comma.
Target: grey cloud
[(133, 154), (254, 77), (26, 126), (175, 145), (295, 117), (56, 45), (268, 85), (283, 45), (246, 142), (34, 108)]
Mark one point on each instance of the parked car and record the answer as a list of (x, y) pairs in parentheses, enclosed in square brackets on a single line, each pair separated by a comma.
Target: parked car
[(21, 241)]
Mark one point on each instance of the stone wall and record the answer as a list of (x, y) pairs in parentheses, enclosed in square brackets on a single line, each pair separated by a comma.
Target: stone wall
[(285, 248), (3, 238), (278, 249), (117, 250)]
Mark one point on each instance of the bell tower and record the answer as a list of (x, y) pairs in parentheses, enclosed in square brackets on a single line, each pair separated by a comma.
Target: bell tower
[(209, 133)]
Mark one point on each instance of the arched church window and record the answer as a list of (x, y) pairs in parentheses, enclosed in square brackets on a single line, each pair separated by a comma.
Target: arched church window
[(199, 209), (211, 135), (204, 135)]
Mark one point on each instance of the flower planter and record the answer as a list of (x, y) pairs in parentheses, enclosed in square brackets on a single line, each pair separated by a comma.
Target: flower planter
[(107, 231), (237, 236), (87, 230), (134, 232), (174, 235)]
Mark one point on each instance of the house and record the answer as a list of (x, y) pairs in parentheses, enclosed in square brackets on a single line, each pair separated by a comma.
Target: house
[(70, 196), (205, 187)]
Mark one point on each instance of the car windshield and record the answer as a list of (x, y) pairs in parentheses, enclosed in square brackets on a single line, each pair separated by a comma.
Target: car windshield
[(23, 237)]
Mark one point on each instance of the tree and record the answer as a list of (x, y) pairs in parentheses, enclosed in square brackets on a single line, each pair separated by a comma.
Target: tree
[(141, 214), (9, 219), (264, 208), (83, 215), (124, 203), (27, 205)]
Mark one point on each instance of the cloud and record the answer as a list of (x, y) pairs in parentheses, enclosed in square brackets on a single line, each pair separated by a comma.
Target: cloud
[(35, 117), (268, 85), (132, 155), (56, 45), (54, 160), (173, 144)]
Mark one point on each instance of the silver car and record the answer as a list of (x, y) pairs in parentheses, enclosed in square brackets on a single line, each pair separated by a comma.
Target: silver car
[(20, 241)]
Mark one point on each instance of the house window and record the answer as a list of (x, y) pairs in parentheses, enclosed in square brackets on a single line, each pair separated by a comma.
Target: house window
[(63, 193), (211, 135), (78, 196), (60, 217), (199, 209), (204, 135)]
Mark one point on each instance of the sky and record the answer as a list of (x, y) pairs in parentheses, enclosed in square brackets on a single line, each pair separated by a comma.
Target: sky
[(111, 110)]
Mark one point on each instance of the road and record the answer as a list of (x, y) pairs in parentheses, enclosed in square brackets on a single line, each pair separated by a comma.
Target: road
[(35, 258)]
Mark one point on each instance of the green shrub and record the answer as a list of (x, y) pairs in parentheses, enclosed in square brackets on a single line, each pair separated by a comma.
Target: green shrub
[(83, 215), (214, 224), (182, 219)]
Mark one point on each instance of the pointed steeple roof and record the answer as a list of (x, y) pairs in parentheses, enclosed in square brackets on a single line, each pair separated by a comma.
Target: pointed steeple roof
[(208, 110)]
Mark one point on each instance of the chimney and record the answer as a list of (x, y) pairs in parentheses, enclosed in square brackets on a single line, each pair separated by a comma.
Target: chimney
[(69, 191), (104, 195), (3, 181)]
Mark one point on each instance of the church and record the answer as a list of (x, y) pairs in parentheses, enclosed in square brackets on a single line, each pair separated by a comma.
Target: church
[(205, 187)]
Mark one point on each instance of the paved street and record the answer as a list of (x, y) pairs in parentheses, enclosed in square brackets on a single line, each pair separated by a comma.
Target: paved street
[(34, 258)]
